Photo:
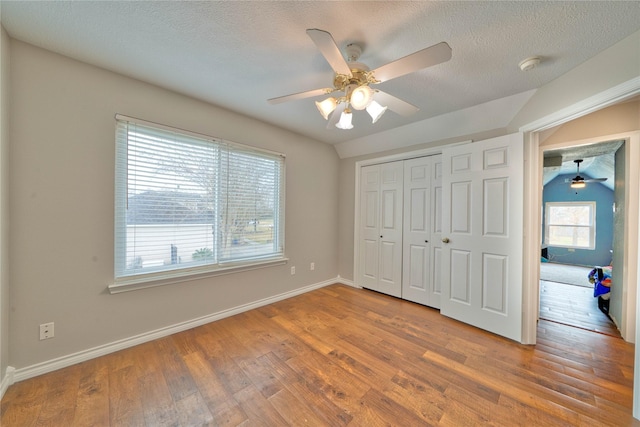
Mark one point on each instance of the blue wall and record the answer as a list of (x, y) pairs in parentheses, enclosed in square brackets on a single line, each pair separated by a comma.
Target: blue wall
[(560, 191)]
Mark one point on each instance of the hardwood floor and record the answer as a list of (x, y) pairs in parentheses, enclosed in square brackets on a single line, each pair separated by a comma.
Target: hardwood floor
[(574, 306), (339, 356)]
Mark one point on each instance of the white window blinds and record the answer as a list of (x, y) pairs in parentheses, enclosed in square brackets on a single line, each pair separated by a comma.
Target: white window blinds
[(187, 203)]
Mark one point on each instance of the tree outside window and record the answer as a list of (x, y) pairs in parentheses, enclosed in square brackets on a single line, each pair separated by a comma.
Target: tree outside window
[(570, 224), (184, 201)]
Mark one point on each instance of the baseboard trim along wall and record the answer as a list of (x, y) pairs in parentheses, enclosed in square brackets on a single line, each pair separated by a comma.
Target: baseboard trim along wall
[(7, 380), (62, 362), (347, 282)]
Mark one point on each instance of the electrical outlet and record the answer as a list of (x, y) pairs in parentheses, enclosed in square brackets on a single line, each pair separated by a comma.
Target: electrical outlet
[(293, 271), (46, 331), (312, 266)]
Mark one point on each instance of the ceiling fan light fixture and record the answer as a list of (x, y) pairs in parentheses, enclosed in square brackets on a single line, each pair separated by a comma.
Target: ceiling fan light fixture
[(578, 184), (326, 107), (353, 79), (361, 97), (375, 110), (345, 120)]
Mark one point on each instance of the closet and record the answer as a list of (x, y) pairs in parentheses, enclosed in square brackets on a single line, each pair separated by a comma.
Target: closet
[(400, 229), (445, 230)]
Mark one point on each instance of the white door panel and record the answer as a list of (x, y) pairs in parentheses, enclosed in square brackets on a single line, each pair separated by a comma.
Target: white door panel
[(370, 265), (420, 220), (482, 204), (417, 268), (436, 278), (380, 243), (461, 207), (494, 283), (369, 226), (435, 256), (460, 276)]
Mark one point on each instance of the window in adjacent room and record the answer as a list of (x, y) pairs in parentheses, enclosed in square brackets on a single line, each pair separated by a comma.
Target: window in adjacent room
[(570, 224), (190, 204)]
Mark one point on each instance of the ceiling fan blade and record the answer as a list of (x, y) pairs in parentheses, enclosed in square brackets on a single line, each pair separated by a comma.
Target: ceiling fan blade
[(424, 58), (585, 180), (329, 49), (395, 104), (301, 95), (335, 116)]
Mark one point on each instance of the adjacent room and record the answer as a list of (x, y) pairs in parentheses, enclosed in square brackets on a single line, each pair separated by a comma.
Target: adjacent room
[(319, 213), (578, 236)]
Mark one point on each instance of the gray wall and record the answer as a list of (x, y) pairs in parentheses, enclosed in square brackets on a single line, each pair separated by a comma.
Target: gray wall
[(4, 195), (61, 180), (619, 118), (61, 198)]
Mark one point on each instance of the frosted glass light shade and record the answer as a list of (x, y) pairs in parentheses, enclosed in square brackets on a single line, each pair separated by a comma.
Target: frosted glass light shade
[(326, 107), (578, 184), (345, 120), (361, 97), (375, 110)]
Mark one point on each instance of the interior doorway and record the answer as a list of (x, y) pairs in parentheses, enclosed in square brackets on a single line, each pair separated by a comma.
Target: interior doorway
[(577, 233), (617, 96)]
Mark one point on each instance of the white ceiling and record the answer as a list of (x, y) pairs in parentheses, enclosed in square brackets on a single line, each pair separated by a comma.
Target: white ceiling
[(239, 54)]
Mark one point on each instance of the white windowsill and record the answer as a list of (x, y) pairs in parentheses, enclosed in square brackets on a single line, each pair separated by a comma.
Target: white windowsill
[(186, 276)]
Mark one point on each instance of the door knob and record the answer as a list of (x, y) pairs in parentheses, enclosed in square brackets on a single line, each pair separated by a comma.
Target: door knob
[(426, 241), (381, 237), (445, 240)]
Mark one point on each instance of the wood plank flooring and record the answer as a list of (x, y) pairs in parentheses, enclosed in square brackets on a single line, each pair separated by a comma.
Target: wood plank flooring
[(574, 306), (339, 356)]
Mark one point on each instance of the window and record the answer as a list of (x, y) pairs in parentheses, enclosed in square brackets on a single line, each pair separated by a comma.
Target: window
[(570, 224), (190, 204)]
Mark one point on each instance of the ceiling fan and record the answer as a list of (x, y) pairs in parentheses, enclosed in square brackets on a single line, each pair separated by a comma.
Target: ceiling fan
[(353, 79), (579, 181)]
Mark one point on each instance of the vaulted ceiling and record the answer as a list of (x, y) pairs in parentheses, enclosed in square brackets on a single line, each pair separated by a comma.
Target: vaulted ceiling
[(598, 162), (239, 54)]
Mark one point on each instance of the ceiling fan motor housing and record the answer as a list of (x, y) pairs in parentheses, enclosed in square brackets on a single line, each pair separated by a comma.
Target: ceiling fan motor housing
[(353, 52), (580, 181)]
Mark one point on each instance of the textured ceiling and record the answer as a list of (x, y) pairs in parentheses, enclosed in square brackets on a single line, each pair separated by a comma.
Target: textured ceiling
[(239, 54), (598, 161)]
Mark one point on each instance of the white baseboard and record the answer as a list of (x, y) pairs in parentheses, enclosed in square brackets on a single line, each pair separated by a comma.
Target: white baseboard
[(347, 282), (7, 380), (81, 356)]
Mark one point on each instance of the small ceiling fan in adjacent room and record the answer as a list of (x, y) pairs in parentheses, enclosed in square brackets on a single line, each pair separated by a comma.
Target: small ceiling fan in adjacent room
[(579, 181), (353, 80)]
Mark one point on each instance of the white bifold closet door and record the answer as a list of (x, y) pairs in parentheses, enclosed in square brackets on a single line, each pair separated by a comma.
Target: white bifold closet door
[(422, 229), (446, 231), (380, 246)]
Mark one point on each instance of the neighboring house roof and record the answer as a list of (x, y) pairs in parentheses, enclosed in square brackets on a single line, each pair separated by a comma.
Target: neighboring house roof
[(168, 207)]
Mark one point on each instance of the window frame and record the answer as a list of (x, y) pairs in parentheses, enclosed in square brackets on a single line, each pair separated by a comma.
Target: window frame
[(125, 279), (591, 226)]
